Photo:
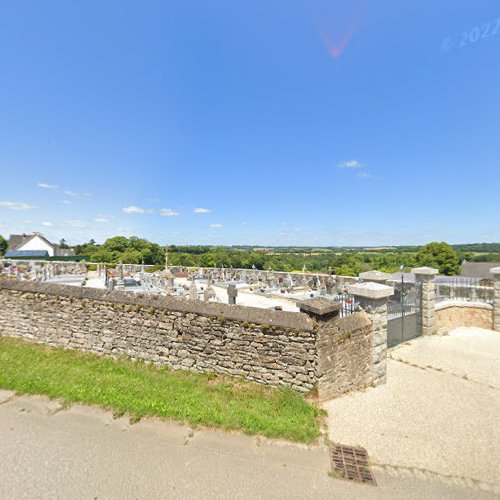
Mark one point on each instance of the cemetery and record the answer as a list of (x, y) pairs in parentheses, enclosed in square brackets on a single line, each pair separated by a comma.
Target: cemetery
[(302, 330), (248, 287)]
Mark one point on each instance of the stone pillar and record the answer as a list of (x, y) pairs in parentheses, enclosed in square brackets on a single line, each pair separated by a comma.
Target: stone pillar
[(232, 293), (425, 279), (372, 298), (375, 277), (496, 298)]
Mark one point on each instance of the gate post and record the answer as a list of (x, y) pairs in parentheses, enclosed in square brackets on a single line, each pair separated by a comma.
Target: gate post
[(372, 298), (496, 298), (375, 276), (425, 279)]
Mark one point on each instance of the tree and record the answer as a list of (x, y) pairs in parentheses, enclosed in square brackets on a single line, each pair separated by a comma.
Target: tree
[(116, 244), (3, 245), (131, 256), (62, 243), (440, 256)]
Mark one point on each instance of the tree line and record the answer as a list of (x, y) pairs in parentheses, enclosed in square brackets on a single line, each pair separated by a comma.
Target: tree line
[(339, 260), (348, 263)]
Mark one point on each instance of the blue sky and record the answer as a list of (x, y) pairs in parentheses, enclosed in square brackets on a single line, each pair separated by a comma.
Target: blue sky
[(287, 121)]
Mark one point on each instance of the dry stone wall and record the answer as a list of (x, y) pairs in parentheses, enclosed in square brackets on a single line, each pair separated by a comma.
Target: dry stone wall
[(270, 347), (345, 355)]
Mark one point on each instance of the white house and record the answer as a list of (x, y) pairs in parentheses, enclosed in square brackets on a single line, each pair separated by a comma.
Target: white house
[(34, 245)]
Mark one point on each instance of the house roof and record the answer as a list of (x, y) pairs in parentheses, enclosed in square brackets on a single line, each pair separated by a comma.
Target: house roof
[(478, 269), (15, 240), (407, 277), (18, 240)]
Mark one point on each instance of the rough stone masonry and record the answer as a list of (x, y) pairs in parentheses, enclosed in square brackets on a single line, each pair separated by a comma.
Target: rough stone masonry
[(270, 347)]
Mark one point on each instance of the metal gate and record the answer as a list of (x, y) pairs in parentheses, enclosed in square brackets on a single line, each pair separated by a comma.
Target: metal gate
[(403, 312)]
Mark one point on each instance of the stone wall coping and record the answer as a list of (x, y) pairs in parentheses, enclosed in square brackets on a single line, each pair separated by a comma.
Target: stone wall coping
[(371, 290), (283, 319), (427, 271), (495, 271), (319, 306), (446, 304), (375, 275)]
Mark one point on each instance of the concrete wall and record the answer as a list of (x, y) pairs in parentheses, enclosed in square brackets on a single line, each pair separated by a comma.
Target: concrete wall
[(472, 293), (450, 315), (344, 355)]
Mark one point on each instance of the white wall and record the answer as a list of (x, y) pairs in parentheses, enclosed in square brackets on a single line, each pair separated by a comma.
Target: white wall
[(37, 243)]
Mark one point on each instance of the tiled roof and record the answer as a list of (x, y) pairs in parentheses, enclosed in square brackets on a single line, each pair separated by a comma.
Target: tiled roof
[(16, 240), (478, 269)]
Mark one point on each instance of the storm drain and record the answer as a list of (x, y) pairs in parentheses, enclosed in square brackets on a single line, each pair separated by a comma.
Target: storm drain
[(351, 463)]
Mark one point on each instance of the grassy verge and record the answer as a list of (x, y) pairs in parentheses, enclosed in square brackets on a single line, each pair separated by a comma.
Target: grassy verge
[(138, 389)]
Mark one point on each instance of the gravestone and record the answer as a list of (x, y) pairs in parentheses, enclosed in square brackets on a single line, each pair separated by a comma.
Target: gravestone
[(193, 292)]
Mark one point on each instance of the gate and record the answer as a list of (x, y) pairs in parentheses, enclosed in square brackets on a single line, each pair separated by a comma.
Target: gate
[(403, 312)]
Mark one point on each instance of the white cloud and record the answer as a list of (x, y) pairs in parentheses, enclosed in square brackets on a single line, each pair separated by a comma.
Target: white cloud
[(132, 209), (16, 205), (364, 175), (215, 225), (66, 202), (202, 210), (44, 185), (46, 223), (168, 212), (103, 218), (350, 164), (72, 193), (77, 224)]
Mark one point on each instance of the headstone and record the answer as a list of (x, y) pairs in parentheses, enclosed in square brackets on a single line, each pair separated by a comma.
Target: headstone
[(330, 285), (209, 293), (193, 292)]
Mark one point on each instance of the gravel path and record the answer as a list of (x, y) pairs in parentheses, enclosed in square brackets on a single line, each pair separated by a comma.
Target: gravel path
[(437, 416)]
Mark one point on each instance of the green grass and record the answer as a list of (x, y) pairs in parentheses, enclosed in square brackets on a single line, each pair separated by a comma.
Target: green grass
[(139, 389)]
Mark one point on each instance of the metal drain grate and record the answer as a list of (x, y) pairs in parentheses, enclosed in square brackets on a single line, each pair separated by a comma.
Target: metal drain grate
[(351, 463)]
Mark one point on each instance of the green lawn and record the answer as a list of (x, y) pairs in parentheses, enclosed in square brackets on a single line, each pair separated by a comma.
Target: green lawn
[(138, 389)]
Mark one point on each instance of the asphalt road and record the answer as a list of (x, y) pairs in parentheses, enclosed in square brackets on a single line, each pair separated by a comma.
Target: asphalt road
[(48, 452)]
